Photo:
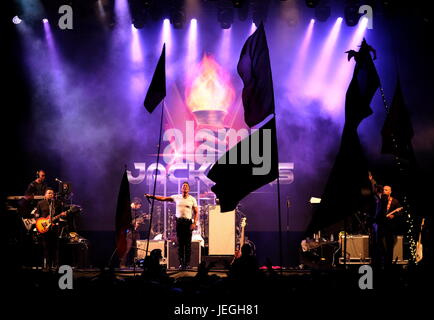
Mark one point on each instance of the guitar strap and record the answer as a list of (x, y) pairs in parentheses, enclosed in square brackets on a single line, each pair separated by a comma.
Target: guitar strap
[(388, 204), (50, 208)]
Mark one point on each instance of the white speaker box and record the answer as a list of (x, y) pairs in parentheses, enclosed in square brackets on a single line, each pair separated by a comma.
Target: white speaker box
[(221, 236)]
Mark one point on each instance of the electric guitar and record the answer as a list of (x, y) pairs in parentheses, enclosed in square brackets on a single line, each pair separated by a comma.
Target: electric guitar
[(389, 215), (243, 226), (419, 247), (44, 224), (29, 222)]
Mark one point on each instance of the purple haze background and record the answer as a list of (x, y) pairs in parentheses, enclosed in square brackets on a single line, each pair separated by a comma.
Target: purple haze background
[(88, 90)]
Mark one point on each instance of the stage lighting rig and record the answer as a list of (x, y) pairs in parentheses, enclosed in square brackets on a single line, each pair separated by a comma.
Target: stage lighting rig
[(322, 12), (139, 12), (289, 13), (351, 13), (243, 11), (148, 3), (225, 14), (312, 3), (238, 3), (177, 14), (259, 11)]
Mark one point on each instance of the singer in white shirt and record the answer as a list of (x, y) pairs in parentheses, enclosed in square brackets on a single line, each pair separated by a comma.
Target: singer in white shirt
[(187, 214)]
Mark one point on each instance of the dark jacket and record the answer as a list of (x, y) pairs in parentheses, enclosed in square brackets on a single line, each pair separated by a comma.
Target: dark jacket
[(43, 208)]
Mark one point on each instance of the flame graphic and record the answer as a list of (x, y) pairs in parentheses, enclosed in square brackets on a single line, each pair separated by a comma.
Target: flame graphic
[(211, 88)]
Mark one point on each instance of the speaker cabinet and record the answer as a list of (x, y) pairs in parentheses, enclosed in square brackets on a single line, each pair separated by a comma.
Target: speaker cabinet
[(221, 237), (398, 249), (172, 254), (357, 247), (153, 244)]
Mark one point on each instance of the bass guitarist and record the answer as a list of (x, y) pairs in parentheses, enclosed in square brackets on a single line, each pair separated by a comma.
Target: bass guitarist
[(50, 207), (389, 221)]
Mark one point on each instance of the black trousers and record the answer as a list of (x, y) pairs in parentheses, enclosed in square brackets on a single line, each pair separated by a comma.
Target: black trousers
[(386, 242), (183, 234), (50, 245), (132, 237)]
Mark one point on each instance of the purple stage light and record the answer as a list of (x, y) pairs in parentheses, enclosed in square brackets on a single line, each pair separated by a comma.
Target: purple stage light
[(45, 20), (136, 50), (317, 81), (166, 37), (122, 12), (253, 28), (300, 60), (192, 49), (48, 35), (224, 53)]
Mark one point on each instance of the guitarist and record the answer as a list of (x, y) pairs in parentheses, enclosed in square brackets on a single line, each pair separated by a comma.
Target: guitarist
[(133, 233), (50, 207), (389, 220)]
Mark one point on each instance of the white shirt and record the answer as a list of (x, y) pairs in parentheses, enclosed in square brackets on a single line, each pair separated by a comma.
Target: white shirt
[(184, 206)]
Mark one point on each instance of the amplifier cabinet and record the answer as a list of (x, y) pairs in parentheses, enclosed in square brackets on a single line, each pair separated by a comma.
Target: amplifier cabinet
[(172, 254), (153, 244), (357, 246), (398, 249)]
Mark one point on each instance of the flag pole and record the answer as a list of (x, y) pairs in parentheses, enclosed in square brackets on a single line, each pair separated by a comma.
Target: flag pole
[(155, 179), (280, 220), (278, 207)]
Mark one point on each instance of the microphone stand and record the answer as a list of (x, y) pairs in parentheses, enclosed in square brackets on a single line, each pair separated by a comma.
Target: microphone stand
[(288, 204), (133, 235)]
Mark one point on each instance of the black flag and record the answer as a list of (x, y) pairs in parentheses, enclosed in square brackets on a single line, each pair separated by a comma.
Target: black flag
[(255, 70), (348, 181), (157, 88), (362, 87), (397, 130), (123, 215), (234, 181)]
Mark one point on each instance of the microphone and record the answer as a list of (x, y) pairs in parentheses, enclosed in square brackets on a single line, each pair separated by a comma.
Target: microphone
[(58, 180)]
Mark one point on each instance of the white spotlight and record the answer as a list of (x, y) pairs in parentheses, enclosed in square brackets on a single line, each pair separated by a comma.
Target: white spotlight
[(16, 20)]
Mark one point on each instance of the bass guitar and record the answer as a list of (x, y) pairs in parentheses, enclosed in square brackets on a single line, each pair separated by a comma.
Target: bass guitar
[(419, 247), (390, 214), (44, 224), (243, 226)]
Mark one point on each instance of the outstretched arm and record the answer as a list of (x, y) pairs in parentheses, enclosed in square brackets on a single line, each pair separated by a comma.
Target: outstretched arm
[(159, 198)]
